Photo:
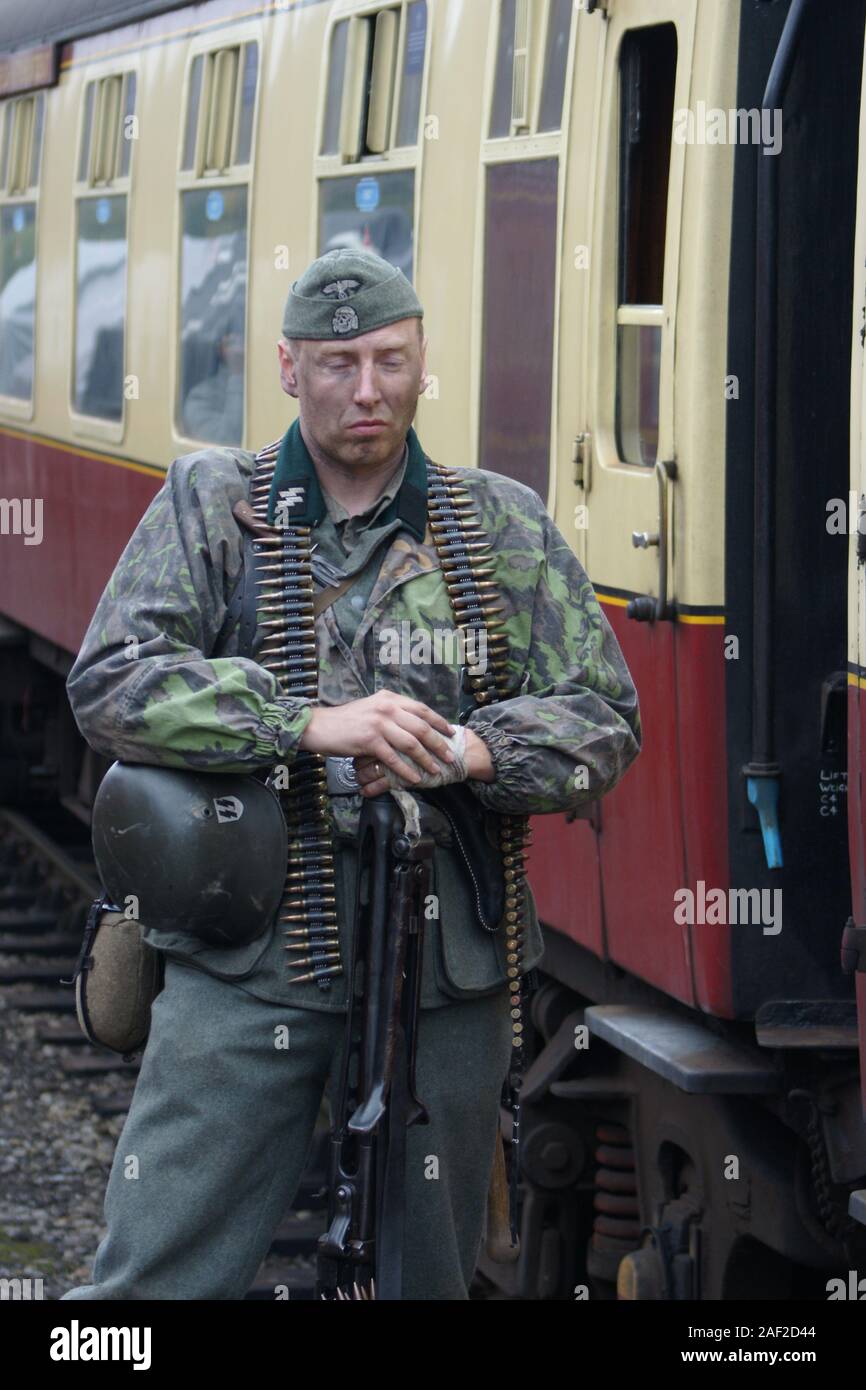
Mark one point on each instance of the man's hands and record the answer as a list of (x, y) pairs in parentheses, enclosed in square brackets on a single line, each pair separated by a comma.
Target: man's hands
[(479, 766), (378, 729), (381, 727)]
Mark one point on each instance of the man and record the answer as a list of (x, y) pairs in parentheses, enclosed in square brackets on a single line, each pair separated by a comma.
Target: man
[(221, 1120)]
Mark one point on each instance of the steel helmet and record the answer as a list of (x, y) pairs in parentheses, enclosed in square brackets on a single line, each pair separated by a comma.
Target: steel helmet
[(203, 852)]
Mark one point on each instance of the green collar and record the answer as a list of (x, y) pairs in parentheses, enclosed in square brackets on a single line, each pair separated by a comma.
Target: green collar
[(295, 474)]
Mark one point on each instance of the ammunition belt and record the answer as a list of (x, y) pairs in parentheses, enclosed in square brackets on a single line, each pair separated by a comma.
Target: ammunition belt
[(465, 552), (285, 613)]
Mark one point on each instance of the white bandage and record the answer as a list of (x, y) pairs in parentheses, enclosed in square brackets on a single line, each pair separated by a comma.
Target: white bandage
[(449, 772)]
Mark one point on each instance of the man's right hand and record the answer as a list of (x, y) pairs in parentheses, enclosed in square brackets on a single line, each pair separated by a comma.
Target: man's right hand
[(382, 726)]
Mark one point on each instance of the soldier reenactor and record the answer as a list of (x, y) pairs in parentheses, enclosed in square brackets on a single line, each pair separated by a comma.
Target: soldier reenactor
[(367, 554)]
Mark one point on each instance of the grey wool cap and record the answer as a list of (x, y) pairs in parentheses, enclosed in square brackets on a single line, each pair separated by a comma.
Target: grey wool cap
[(346, 293)]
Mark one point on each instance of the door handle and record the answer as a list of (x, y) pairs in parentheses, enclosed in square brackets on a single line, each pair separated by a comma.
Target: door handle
[(645, 609)]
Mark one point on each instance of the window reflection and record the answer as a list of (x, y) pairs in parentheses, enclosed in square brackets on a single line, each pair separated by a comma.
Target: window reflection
[(500, 115), (100, 306), (413, 72), (213, 311), (374, 213), (17, 299), (637, 398), (555, 62)]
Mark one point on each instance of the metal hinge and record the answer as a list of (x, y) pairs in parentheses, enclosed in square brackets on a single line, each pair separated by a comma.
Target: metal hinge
[(580, 457)]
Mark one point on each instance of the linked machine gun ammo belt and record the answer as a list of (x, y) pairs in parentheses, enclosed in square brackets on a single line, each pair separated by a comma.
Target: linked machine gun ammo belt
[(285, 610)]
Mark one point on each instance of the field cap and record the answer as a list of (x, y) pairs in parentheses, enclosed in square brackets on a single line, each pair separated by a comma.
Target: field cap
[(346, 293)]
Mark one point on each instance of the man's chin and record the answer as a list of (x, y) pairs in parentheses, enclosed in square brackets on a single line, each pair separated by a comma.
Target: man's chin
[(371, 448)]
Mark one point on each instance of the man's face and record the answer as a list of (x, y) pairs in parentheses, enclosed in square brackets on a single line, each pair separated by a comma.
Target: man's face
[(358, 398)]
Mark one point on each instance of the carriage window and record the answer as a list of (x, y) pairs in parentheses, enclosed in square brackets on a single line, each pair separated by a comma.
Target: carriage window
[(101, 259), (17, 298), (500, 121), (128, 125), (22, 141), (518, 318), (6, 118), (221, 98), (648, 61), (248, 101), (21, 131), (333, 100), (36, 143), (414, 48), (555, 63), (374, 212), (100, 306), (369, 52), (86, 129), (192, 104), (213, 314), (107, 129), (528, 29)]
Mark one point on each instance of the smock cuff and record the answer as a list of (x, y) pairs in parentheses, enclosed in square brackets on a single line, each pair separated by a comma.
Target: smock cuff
[(506, 785), (282, 725)]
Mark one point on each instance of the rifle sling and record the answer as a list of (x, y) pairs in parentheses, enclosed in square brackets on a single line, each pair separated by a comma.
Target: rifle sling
[(242, 605), (325, 597)]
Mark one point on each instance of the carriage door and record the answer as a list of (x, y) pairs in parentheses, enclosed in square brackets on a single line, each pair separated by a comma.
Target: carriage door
[(629, 464)]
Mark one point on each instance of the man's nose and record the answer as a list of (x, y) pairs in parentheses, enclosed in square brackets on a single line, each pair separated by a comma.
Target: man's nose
[(367, 384)]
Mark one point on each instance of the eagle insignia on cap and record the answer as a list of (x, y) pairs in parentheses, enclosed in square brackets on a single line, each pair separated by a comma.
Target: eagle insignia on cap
[(345, 320), (342, 288)]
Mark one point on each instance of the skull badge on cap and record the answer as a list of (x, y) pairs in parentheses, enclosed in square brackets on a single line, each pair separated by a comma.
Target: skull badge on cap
[(345, 319)]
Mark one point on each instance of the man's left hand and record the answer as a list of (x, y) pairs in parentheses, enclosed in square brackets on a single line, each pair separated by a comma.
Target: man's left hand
[(479, 767)]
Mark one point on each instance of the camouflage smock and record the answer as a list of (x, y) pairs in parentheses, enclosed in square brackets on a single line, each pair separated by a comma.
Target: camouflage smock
[(158, 681)]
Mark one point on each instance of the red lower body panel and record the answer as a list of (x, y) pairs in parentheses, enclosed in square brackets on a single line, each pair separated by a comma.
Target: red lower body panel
[(610, 884), (90, 506)]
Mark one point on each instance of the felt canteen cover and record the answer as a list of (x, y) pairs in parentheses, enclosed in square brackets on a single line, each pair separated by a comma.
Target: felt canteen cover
[(117, 984)]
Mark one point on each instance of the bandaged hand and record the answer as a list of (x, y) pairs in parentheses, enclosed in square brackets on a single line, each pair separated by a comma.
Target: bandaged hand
[(375, 778)]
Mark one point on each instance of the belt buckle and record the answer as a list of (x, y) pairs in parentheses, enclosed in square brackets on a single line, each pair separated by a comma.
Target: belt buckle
[(340, 777)]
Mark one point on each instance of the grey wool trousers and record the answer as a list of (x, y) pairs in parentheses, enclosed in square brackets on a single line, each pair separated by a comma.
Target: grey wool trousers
[(220, 1126)]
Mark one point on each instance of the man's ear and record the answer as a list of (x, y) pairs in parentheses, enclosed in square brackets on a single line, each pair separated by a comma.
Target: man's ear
[(423, 386), (288, 369)]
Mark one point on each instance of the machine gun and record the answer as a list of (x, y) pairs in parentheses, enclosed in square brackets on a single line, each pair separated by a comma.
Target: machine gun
[(360, 1255)]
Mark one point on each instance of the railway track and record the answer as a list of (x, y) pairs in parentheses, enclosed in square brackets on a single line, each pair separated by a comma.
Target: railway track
[(47, 882)]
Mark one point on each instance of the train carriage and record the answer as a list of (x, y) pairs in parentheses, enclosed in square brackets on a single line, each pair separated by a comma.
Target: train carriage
[(634, 226)]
